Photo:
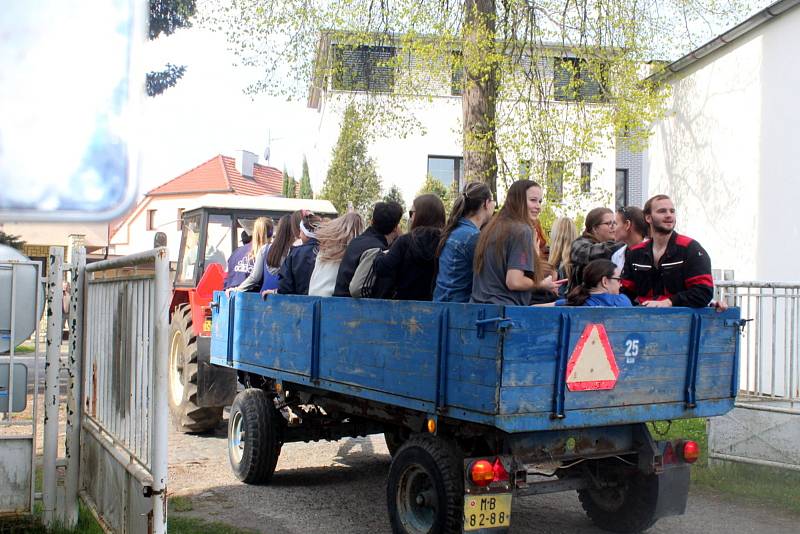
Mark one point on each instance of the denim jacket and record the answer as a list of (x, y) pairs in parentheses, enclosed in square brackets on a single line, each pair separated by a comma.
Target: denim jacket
[(454, 281)]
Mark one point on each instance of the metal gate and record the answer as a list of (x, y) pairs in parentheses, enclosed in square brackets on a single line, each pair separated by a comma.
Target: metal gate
[(123, 474), (764, 426)]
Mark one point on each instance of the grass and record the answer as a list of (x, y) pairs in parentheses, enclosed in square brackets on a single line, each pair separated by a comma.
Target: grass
[(24, 349), (762, 485), (191, 525)]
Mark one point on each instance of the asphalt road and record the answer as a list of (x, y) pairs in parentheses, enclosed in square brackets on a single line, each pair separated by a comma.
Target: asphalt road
[(340, 488)]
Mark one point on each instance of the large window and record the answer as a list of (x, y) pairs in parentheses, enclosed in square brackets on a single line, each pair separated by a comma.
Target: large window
[(621, 189), (574, 79), (447, 169), (363, 68), (150, 221)]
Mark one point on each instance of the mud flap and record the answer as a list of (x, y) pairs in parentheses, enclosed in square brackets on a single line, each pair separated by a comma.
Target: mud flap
[(216, 386), (673, 490)]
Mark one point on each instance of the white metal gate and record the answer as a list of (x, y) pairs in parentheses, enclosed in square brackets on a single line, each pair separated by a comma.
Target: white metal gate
[(123, 474), (764, 426)]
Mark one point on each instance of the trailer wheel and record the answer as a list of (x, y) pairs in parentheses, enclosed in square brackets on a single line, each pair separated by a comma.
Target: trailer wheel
[(187, 416), (254, 443), (627, 508), (425, 490)]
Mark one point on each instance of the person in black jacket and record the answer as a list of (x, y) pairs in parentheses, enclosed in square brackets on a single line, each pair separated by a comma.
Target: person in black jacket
[(410, 264), (295, 273), (670, 269), (382, 231)]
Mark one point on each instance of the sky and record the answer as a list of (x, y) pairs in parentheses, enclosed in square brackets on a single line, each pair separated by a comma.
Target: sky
[(207, 112)]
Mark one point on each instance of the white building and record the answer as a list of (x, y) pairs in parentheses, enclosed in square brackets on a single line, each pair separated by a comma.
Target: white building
[(405, 158), (725, 152)]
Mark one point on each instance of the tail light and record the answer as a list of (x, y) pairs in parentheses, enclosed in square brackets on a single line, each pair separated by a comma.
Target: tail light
[(481, 473), (690, 451)]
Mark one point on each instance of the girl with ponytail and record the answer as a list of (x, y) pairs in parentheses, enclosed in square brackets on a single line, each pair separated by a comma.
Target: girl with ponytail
[(471, 210), (599, 287)]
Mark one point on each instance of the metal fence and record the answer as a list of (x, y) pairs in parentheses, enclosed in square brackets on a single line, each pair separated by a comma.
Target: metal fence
[(770, 345), (124, 424), (764, 426)]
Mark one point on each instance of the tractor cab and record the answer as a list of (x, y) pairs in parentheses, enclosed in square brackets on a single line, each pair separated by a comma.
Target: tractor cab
[(198, 391)]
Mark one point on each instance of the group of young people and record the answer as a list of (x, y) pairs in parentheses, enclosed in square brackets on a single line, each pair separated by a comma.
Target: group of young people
[(633, 256)]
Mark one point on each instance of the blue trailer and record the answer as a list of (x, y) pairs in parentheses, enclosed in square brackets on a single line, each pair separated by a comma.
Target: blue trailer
[(480, 404)]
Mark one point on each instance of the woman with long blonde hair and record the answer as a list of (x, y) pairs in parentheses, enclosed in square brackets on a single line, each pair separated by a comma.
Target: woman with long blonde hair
[(333, 237), (563, 233), (259, 245)]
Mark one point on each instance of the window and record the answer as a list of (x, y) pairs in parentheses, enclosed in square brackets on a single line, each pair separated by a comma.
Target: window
[(447, 169), (218, 240), (621, 189), (457, 75), (574, 80), (555, 180), (363, 68), (151, 220), (180, 218), (586, 177)]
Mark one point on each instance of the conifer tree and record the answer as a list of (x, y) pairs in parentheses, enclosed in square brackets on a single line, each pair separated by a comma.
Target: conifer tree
[(352, 176), (305, 182)]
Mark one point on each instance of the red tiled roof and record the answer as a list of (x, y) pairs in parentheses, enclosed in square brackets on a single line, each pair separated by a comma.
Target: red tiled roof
[(219, 175)]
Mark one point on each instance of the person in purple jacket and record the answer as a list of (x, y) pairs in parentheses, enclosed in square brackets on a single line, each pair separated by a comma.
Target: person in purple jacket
[(599, 287)]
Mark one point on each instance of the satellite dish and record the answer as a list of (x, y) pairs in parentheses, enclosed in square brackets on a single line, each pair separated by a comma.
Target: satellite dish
[(27, 285)]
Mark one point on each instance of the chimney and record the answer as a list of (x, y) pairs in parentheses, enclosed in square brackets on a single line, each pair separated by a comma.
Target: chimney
[(245, 163)]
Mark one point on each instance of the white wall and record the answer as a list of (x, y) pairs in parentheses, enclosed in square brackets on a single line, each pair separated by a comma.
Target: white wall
[(403, 161), (725, 153), (135, 237)]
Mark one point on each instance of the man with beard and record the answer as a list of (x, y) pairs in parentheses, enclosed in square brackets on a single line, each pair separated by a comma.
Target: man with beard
[(670, 269)]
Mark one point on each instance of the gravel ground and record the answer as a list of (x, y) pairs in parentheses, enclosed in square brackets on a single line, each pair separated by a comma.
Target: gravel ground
[(339, 487)]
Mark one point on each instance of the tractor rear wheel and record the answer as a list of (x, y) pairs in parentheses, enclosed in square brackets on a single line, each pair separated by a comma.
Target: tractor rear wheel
[(187, 415)]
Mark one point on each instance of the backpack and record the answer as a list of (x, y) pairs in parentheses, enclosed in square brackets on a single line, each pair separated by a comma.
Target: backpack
[(363, 282)]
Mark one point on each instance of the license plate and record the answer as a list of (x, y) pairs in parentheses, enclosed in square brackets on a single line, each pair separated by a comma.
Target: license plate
[(487, 511), (207, 325)]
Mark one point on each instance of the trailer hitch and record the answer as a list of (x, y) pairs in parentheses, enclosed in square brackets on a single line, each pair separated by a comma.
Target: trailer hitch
[(738, 323)]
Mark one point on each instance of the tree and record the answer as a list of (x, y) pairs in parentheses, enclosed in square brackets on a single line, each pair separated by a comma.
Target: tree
[(167, 16), (305, 182), (289, 187), (10, 240), (435, 186), (394, 195), (569, 75), (352, 177)]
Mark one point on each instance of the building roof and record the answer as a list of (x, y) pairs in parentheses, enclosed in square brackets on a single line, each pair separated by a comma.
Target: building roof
[(220, 175), (740, 30), (270, 202)]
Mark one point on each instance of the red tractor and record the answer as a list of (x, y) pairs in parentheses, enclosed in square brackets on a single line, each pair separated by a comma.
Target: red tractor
[(198, 391)]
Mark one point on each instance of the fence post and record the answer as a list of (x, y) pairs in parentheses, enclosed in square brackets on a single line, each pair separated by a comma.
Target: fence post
[(160, 407), (51, 385), (75, 376)]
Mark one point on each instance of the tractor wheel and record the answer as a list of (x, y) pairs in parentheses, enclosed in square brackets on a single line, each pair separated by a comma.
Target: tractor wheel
[(254, 436), (187, 416), (425, 489), (627, 508), (394, 439)]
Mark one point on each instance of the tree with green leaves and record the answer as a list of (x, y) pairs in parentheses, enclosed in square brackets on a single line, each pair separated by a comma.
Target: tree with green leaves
[(167, 16), (352, 177), (394, 195), (289, 186), (10, 240), (541, 81), (305, 181), (435, 186)]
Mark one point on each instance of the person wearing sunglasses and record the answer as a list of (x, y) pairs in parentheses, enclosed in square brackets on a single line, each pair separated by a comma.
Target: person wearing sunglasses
[(597, 242)]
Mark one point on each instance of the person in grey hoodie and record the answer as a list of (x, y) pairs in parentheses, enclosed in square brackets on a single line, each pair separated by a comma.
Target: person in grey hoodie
[(410, 263)]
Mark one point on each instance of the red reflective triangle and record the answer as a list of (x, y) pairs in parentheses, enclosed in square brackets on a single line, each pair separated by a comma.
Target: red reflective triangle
[(592, 365)]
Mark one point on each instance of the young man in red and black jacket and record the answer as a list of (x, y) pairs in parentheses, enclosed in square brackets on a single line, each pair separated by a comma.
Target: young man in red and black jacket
[(670, 269)]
